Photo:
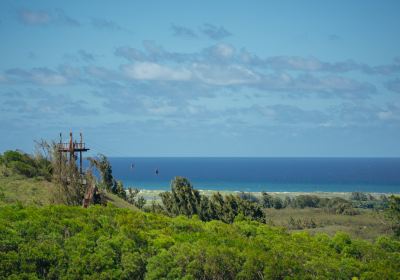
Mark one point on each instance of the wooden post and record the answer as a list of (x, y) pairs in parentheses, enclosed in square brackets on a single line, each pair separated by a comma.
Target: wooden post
[(71, 148), (80, 154), (61, 154)]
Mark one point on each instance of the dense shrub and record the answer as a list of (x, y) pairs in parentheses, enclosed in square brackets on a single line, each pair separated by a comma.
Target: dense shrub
[(334, 205), (248, 196), (301, 223), (360, 196), (10, 156), (17, 162), (393, 214), (185, 200), (339, 205), (22, 168), (277, 203), (269, 201), (303, 201), (108, 243)]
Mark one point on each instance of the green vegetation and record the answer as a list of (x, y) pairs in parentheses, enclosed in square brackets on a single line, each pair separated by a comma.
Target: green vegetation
[(393, 214), (16, 188), (335, 205), (368, 224), (189, 235), (109, 184), (47, 184), (17, 162), (109, 243), (22, 178), (185, 200)]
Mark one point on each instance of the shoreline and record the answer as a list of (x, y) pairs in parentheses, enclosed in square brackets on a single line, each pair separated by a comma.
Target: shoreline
[(278, 188), (154, 194)]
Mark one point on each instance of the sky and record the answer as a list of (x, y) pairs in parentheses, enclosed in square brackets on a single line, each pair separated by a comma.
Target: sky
[(203, 78)]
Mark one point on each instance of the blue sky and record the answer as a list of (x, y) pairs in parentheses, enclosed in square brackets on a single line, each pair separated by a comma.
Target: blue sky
[(204, 78)]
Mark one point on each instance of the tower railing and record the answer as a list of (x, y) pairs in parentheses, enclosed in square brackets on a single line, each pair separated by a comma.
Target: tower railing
[(76, 146)]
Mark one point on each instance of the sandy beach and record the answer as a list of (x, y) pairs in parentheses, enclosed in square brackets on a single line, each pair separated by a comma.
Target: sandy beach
[(154, 194)]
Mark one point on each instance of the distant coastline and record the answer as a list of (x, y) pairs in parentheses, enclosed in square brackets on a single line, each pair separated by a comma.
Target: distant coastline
[(229, 187), (372, 175), (154, 194)]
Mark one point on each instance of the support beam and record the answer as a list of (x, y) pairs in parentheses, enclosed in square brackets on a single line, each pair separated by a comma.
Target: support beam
[(80, 162)]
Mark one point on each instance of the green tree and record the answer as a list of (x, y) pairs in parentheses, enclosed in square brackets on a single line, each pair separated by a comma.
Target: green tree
[(278, 203), (393, 214), (133, 198), (266, 200), (119, 190), (102, 164), (360, 196), (183, 199), (206, 211), (303, 201), (140, 202)]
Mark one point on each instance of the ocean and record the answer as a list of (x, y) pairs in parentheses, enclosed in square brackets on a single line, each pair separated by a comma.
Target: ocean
[(380, 175)]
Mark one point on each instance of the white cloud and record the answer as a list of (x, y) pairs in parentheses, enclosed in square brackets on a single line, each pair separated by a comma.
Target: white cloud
[(390, 113), (224, 75), (294, 63), (154, 71), (3, 79), (182, 31), (215, 32), (224, 50), (393, 85), (162, 110), (105, 24), (49, 79), (41, 76), (31, 17), (329, 85), (100, 73), (385, 115)]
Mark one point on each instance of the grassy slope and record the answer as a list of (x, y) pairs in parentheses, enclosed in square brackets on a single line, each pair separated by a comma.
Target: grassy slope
[(119, 202), (26, 190), (34, 191)]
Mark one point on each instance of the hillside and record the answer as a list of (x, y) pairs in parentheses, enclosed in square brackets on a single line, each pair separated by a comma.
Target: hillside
[(29, 179), (36, 191)]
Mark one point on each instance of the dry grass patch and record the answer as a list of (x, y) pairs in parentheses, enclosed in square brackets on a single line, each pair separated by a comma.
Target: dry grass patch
[(367, 225)]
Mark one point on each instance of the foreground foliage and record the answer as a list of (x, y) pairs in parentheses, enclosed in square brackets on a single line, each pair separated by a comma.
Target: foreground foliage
[(108, 243)]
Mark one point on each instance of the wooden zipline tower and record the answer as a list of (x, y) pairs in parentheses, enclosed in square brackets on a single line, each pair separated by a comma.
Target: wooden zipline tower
[(71, 148)]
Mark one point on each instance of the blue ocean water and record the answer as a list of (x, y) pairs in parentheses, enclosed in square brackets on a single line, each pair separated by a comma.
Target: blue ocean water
[(263, 174)]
